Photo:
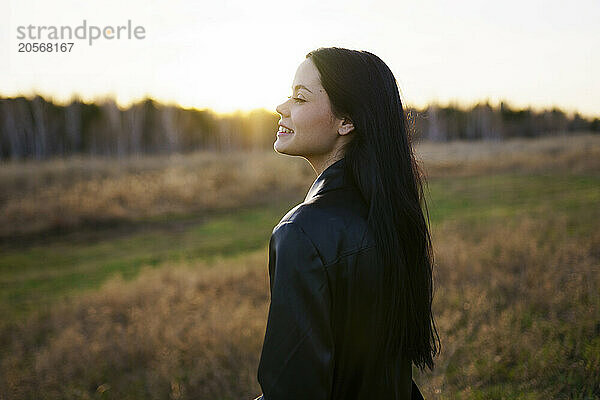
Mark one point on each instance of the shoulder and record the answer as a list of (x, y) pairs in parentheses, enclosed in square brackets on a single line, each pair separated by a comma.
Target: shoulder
[(290, 240), (334, 223)]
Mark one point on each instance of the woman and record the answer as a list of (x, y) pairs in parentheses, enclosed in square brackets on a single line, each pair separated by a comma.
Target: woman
[(351, 267)]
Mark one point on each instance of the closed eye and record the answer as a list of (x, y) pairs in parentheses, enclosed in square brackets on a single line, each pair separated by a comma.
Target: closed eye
[(296, 99)]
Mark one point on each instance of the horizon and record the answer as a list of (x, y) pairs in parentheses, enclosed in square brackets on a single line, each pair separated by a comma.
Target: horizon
[(455, 104)]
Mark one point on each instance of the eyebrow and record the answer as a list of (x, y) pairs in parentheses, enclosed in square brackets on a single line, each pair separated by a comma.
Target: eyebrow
[(300, 87)]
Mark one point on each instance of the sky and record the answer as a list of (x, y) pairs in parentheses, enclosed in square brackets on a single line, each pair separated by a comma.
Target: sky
[(239, 55)]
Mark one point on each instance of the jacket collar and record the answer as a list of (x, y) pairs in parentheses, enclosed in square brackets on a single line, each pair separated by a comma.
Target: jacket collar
[(331, 178)]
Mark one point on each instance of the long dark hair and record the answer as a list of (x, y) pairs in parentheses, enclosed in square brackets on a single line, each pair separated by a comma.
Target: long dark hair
[(380, 159)]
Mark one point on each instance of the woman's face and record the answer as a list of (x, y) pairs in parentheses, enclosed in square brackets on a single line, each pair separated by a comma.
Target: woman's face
[(316, 131)]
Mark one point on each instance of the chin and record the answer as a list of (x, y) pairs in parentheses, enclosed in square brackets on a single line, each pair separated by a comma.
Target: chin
[(282, 147)]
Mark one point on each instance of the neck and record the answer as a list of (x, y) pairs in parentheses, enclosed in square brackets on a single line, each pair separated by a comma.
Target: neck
[(320, 163)]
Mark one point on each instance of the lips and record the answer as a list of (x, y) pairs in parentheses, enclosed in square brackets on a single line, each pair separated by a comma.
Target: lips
[(280, 133), (284, 131)]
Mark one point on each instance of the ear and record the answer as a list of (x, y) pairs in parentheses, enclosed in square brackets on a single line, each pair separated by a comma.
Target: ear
[(346, 126)]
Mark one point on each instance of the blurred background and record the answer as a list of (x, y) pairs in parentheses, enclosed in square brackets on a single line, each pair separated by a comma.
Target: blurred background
[(139, 188)]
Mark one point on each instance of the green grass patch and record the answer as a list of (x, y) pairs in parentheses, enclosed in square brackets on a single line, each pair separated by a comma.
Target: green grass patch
[(31, 277), (481, 200)]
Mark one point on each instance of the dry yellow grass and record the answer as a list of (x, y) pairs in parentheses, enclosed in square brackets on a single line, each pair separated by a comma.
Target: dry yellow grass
[(36, 196), (67, 193), (507, 299), (179, 332), (519, 309), (577, 153)]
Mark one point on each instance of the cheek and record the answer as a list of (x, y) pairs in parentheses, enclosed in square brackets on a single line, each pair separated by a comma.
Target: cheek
[(312, 118)]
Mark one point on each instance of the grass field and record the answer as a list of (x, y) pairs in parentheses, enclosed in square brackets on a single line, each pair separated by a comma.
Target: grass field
[(164, 296)]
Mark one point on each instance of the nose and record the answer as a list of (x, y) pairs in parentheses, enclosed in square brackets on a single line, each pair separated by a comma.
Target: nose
[(282, 109)]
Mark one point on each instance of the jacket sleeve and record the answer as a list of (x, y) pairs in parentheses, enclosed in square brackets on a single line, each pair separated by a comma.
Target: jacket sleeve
[(297, 356)]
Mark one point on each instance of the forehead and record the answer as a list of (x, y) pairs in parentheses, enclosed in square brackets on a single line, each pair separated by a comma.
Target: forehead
[(308, 75)]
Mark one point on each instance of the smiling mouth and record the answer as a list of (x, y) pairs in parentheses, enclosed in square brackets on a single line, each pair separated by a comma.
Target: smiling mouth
[(284, 131)]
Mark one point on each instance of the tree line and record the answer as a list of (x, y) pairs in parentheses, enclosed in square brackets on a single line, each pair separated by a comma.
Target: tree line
[(36, 128)]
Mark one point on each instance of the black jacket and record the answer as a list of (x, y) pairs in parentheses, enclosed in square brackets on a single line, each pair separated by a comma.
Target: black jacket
[(321, 263)]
